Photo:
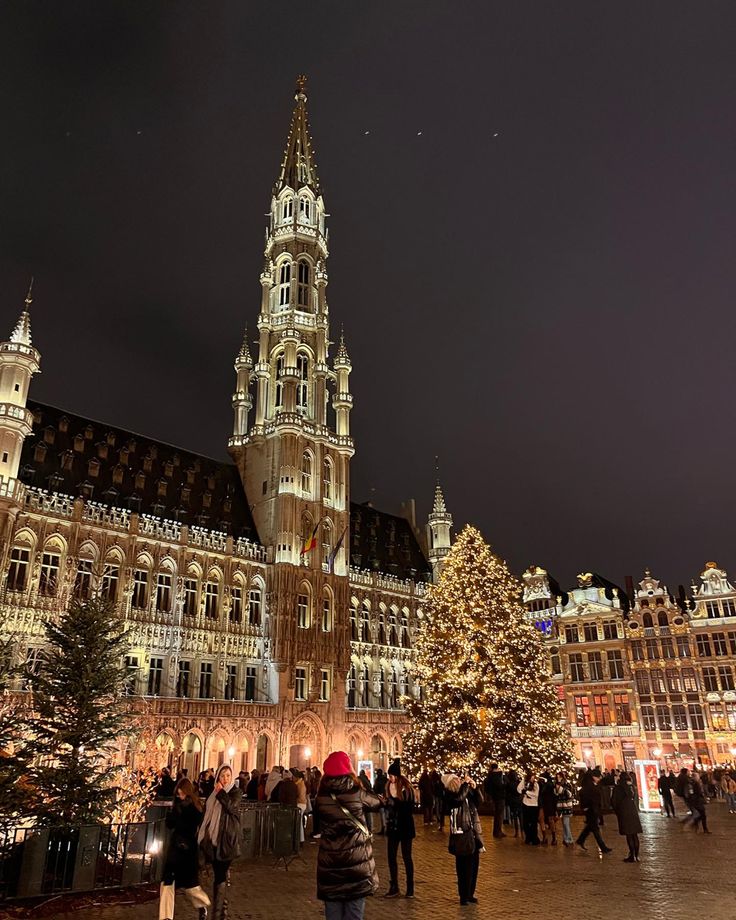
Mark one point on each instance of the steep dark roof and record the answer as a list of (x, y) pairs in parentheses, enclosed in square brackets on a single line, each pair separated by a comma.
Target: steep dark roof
[(385, 543), (77, 456)]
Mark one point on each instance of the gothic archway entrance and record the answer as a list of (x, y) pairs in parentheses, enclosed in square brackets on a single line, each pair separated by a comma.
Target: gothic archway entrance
[(262, 753)]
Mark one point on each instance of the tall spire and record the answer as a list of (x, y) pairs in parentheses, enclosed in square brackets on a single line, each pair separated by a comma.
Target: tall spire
[(244, 352), (298, 166), (439, 506), (21, 335)]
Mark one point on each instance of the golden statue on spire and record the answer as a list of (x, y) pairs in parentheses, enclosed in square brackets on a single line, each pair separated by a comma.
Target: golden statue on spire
[(301, 84)]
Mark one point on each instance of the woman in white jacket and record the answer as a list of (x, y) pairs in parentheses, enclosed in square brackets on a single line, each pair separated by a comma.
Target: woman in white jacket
[(529, 789)]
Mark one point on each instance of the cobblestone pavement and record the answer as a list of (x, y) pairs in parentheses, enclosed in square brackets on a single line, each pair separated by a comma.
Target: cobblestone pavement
[(681, 875)]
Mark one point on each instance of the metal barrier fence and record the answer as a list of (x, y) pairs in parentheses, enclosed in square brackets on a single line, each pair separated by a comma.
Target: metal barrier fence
[(42, 861), (270, 829)]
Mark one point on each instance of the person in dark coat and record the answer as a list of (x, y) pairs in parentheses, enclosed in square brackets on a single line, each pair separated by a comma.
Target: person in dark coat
[(251, 790), (590, 802), (165, 785), (625, 804), (465, 831), (548, 808), (513, 800), (665, 791), (495, 787), (286, 791), (426, 796), (400, 830), (181, 869), (346, 870), (220, 833), (696, 802)]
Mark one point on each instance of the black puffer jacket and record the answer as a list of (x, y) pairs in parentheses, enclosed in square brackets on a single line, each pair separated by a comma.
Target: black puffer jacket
[(346, 870)]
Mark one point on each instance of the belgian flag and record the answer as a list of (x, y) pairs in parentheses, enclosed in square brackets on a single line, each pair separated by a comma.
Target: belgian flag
[(311, 542)]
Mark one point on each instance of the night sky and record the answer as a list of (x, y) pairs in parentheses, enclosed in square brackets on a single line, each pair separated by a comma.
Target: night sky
[(540, 287)]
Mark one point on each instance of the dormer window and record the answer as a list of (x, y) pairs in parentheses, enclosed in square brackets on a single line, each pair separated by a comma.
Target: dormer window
[(39, 453), (93, 467), (79, 443), (140, 481), (305, 209), (284, 285)]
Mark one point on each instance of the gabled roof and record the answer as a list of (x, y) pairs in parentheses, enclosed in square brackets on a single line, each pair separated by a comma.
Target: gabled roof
[(298, 167), (77, 456), (385, 543)]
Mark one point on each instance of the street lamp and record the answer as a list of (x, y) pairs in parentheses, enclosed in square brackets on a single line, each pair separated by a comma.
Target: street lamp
[(657, 752), (307, 753), (360, 755), (231, 753)]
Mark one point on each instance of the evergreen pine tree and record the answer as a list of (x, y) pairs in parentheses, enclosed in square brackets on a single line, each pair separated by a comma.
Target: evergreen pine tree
[(486, 692), (80, 711), (16, 795)]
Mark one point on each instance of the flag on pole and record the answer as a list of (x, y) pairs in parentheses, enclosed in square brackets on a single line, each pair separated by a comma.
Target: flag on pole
[(310, 543), (335, 551)]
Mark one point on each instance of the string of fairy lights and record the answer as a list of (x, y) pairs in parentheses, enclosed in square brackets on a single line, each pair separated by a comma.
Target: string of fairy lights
[(486, 690)]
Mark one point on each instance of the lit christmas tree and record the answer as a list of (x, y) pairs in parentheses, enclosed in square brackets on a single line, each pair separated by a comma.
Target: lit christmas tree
[(486, 690)]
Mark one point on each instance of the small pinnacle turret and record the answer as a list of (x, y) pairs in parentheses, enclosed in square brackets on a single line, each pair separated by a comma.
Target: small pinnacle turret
[(342, 358), (298, 167), (19, 361), (21, 335), (439, 526), (244, 353)]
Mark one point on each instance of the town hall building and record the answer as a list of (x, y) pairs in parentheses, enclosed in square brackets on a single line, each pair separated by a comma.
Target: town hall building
[(270, 618)]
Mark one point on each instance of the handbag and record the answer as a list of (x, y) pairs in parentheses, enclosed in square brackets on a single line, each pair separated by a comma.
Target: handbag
[(351, 817), (462, 844)]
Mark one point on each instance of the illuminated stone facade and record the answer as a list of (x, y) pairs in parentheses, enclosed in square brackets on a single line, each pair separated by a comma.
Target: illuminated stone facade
[(245, 641)]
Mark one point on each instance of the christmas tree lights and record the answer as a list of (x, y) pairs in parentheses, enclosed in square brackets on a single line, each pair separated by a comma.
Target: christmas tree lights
[(486, 692)]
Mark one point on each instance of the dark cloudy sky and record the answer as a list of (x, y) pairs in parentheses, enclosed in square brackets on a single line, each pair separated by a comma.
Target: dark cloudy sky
[(552, 310)]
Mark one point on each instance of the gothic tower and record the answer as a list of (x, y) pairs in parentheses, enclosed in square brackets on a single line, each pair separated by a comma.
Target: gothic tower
[(439, 524), (294, 458), (19, 361)]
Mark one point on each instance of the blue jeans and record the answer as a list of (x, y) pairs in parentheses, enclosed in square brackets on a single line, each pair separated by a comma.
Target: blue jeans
[(731, 801), (345, 910), (566, 832)]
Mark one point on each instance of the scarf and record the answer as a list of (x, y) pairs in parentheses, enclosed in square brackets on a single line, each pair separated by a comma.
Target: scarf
[(210, 826)]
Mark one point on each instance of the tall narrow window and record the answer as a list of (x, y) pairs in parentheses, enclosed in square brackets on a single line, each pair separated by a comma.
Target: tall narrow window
[(278, 402), (582, 711), (131, 674), (250, 683), (300, 684), (302, 387), (140, 589), (20, 559), (255, 600), (306, 476), (155, 673), (49, 574), (305, 209), (110, 580), (190, 597), (163, 592), (352, 687), (622, 708), (205, 680), (365, 622), (595, 665), (353, 622), (327, 484), (303, 273), (600, 709), (231, 682), (326, 543), (211, 599), (284, 284), (287, 209), (183, 679), (615, 664), (577, 671), (302, 611), (324, 685), (83, 580), (364, 685), (236, 604), (326, 613)]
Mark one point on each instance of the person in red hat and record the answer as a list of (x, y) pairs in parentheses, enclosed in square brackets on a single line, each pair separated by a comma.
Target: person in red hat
[(346, 870)]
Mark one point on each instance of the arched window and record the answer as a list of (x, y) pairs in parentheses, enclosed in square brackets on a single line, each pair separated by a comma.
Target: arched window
[(278, 402), (302, 387), (326, 543), (365, 622), (392, 629), (382, 627), (236, 599), (354, 621), (405, 639), (141, 582), (191, 591), (284, 285), (647, 621), (212, 595), (255, 604), (302, 288), (662, 619), (287, 209), (326, 610), (352, 687), (303, 612), (20, 562), (327, 480), (364, 686), (305, 209), (306, 474)]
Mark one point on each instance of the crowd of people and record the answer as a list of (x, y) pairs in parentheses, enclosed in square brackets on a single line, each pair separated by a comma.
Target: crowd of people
[(348, 809)]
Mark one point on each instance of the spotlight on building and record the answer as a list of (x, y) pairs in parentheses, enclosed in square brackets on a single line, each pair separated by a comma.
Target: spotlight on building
[(231, 752)]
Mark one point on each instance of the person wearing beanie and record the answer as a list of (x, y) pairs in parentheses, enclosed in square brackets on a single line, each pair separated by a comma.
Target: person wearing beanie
[(400, 829), (346, 870)]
